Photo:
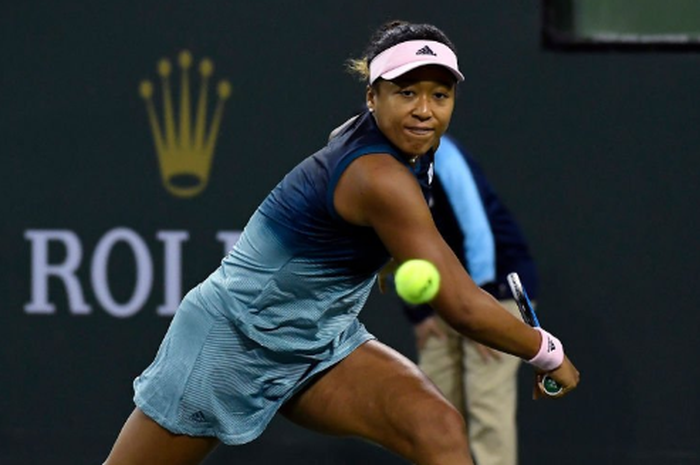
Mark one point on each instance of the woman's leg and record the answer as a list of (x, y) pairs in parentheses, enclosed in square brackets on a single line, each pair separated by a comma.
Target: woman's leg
[(142, 441), (378, 394)]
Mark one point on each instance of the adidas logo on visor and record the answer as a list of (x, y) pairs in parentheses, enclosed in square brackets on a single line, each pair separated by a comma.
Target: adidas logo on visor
[(426, 51)]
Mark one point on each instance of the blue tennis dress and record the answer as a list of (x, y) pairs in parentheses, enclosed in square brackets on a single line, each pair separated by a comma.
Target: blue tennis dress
[(280, 309)]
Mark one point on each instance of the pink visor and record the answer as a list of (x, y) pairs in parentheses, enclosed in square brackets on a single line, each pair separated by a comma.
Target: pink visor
[(403, 57)]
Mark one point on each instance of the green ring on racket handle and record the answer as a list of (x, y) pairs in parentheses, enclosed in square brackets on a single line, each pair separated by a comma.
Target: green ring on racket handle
[(551, 387)]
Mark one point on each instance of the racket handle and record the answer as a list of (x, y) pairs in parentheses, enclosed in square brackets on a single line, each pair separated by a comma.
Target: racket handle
[(551, 387)]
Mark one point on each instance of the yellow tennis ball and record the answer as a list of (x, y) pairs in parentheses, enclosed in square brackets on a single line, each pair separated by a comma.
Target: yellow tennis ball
[(417, 281)]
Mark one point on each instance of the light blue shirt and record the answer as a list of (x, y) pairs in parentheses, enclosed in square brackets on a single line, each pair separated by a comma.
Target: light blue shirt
[(459, 185)]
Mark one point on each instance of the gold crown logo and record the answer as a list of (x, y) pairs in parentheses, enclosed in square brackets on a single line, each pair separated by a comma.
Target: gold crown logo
[(185, 151)]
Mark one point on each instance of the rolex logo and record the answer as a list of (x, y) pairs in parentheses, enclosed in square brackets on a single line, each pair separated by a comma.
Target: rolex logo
[(184, 141)]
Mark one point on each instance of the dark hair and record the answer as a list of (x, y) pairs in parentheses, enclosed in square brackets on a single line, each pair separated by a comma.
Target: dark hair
[(390, 34)]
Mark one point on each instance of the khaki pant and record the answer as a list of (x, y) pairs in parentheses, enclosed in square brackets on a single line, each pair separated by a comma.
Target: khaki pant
[(485, 392)]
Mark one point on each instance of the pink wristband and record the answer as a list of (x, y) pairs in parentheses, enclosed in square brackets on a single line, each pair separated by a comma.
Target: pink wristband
[(551, 354)]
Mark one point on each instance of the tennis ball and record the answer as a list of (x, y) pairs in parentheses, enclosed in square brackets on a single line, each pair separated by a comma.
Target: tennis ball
[(417, 281)]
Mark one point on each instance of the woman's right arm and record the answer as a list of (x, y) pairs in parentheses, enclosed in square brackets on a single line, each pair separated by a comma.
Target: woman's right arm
[(379, 192)]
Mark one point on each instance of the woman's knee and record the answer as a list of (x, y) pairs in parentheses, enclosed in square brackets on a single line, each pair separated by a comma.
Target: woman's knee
[(437, 427)]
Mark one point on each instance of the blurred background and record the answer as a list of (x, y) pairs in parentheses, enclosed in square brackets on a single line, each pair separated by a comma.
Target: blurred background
[(584, 115)]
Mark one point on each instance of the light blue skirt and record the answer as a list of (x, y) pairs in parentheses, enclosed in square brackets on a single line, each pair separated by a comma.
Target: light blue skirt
[(209, 379)]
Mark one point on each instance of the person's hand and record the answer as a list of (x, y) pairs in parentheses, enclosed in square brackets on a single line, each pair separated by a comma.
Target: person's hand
[(426, 329), (383, 275), (566, 375), (486, 353)]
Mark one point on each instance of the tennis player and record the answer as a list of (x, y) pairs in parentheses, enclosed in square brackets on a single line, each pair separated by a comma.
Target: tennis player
[(275, 327)]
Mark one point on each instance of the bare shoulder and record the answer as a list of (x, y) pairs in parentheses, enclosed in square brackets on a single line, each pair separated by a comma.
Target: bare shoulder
[(380, 192), (373, 185)]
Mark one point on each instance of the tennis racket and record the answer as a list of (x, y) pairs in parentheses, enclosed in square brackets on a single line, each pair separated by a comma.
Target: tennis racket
[(527, 311)]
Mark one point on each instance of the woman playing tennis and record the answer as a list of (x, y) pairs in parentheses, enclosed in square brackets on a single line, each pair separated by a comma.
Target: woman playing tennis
[(275, 328)]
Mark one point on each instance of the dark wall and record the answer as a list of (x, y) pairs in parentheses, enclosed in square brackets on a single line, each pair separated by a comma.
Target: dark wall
[(595, 153)]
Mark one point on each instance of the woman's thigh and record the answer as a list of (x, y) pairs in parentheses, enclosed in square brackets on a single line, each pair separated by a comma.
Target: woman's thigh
[(144, 442), (378, 394)]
